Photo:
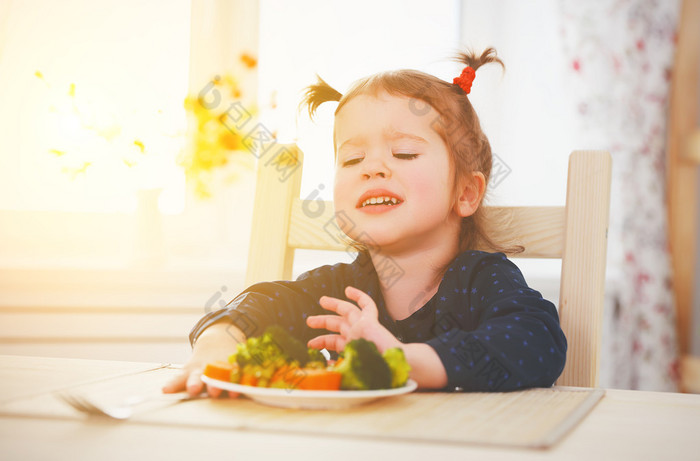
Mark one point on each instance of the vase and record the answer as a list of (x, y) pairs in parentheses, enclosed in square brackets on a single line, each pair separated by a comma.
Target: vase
[(149, 246)]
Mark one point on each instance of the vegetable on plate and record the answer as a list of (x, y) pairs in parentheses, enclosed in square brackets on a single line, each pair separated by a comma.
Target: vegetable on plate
[(278, 360)]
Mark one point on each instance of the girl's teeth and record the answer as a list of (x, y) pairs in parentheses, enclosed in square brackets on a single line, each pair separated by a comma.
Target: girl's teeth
[(380, 200)]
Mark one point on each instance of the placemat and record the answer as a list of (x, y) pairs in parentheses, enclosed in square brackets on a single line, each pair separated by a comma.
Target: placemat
[(533, 418)]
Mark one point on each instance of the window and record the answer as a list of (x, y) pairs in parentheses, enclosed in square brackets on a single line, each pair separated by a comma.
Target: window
[(88, 114), (91, 124)]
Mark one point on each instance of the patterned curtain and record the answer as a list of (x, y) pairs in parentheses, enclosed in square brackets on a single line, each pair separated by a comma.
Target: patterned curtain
[(620, 54)]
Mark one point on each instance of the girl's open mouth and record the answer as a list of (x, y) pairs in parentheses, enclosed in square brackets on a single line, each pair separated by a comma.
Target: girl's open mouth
[(378, 201), (374, 201), (379, 204)]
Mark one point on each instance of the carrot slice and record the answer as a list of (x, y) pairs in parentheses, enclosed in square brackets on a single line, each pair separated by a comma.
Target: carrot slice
[(249, 379), (316, 379), (219, 370), (280, 373)]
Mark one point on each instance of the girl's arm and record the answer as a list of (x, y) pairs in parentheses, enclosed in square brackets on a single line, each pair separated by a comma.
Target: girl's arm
[(426, 367), (217, 342), (284, 303), (360, 320), (497, 333)]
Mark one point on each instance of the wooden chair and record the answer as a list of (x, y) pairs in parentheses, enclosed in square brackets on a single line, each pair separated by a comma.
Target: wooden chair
[(576, 233), (683, 185)]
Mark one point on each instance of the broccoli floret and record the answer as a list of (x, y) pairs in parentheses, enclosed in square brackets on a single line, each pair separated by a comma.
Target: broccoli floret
[(288, 344), (316, 359), (398, 365), (258, 350), (363, 367), (246, 352), (275, 346)]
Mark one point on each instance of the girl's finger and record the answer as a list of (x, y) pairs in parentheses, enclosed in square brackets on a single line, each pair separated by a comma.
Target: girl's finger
[(361, 298), (338, 306), (330, 342), (329, 322), (213, 391), (176, 384), (194, 382)]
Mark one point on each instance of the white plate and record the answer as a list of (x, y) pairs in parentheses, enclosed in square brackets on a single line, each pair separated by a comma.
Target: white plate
[(313, 400)]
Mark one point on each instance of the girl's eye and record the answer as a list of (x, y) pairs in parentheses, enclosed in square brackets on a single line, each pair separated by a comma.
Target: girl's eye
[(352, 161), (405, 156), (400, 155)]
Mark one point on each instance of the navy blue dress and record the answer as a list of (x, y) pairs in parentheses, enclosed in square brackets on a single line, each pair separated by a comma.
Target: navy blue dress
[(491, 331)]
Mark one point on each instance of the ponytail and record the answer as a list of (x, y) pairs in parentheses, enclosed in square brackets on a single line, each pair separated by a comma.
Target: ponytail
[(317, 94), (469, 58)]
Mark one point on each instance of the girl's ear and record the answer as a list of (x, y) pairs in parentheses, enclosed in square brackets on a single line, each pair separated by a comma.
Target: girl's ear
[(471, 193)]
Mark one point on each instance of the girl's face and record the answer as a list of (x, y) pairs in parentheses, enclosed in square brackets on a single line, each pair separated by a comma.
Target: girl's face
[(393, 181)]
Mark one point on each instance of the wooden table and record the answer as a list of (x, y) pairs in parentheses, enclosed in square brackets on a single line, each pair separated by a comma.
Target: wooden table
[(35, 425)]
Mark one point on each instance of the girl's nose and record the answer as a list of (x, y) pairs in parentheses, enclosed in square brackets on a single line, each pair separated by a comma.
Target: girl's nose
[(375, 168)]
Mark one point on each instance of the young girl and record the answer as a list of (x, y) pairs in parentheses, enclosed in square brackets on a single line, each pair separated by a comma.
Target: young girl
[(412, 166)]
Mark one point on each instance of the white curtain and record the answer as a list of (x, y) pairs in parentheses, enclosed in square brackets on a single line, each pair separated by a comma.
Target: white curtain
[(620, 61), (592, 75)]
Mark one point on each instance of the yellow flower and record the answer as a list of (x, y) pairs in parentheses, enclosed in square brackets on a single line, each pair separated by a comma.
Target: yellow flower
[(214, 142)]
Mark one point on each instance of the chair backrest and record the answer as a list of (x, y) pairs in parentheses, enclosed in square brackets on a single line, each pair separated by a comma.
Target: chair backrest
[(575, 233)]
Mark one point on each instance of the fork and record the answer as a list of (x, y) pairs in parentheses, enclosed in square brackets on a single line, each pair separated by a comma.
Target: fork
[(121, 412)]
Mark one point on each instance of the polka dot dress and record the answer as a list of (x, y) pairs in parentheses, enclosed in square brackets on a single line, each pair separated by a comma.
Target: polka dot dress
[(491, 331)]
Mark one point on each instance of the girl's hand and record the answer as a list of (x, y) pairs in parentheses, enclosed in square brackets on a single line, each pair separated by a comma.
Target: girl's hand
[(215, 343), (352, 322)]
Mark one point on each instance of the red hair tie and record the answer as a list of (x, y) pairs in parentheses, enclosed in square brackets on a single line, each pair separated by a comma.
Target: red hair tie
[(465, 79)]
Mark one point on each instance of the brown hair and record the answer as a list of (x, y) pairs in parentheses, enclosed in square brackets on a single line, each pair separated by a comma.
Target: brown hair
[(458, 126)]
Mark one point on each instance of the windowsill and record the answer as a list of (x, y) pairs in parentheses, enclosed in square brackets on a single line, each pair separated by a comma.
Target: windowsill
[(182, 286)]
